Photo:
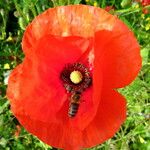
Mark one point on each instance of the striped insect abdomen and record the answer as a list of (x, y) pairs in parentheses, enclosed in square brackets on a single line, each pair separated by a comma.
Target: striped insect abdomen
[(73, 109)]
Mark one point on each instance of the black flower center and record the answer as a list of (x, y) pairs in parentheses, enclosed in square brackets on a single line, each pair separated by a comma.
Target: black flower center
[(76, 77)]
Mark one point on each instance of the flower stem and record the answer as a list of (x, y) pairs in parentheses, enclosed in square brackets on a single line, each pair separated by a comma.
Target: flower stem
[(20, 12), (54, 3), (68, 2), (33, 10), (130, 10), (127, 11)]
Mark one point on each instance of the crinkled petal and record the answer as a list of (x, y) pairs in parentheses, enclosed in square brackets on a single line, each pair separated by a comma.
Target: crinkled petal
[(110, 115), (76, 20), (119, 55), (55, 134), (64, 35), (38, 84)]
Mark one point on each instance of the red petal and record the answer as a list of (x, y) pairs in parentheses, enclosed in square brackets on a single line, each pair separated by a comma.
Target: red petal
[(85, 113), (55, 134), (110, 115), (38, 85), (41, 108), (119, 55), (76, 20), (145, 2)]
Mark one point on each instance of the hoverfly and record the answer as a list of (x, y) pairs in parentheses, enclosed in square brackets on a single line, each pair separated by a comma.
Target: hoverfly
[(74, 104)]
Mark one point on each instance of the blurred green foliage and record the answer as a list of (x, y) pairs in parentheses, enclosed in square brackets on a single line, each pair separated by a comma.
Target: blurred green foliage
[(15, 15)]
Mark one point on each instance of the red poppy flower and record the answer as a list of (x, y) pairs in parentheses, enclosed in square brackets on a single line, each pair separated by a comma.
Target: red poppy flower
[(109, 8), (74, 54), (145, 2)]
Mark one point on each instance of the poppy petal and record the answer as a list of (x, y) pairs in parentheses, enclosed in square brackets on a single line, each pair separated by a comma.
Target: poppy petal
[(69, 34), (89, 104), (110, 115), (38, 84), (119, 55), (76, 20), (55, 134), (103, 126), (85, 114)]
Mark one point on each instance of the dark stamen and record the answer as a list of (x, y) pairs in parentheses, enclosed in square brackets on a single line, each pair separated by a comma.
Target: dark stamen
[(81, 71)]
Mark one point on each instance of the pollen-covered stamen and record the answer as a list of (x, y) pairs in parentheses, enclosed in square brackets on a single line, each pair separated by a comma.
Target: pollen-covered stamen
[(76, 77)]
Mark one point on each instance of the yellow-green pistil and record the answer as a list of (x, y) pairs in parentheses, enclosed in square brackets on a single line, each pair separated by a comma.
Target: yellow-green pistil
[(76, 77)]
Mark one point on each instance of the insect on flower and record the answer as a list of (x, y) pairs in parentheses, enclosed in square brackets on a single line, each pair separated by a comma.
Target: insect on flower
[(64, 90), (74, 104), (76, 78)]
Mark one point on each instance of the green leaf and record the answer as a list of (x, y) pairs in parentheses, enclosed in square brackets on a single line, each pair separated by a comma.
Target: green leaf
[(3, 142), (4, 106), (144, 54), (77, 1), (125, 3)]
